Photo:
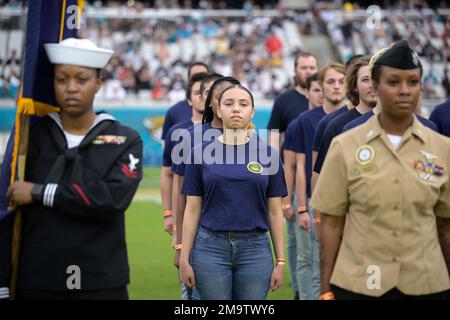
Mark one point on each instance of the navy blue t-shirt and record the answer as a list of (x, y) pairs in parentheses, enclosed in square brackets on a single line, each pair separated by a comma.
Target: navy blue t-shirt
[(333, 129), (290, 135), (198, 134), (322, 125), (234, 193), (358, 121), (287, 106), (306, 125), (172, 140), (441, 117), (179, 112)]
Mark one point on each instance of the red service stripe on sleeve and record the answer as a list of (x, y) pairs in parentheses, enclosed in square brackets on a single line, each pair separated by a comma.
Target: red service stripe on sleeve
[(83, 196)]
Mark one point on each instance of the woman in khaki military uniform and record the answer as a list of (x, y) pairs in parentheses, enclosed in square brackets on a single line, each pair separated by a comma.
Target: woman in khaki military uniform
[(387, 181)]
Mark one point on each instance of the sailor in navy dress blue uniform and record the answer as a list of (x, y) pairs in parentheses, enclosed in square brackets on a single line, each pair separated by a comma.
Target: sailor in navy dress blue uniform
[(82, 172)]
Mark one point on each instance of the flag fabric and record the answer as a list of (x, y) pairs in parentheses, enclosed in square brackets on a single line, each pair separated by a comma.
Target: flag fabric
[(48, 21)]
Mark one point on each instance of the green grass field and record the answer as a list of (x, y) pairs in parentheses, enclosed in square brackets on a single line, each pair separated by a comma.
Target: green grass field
[(153, 276)]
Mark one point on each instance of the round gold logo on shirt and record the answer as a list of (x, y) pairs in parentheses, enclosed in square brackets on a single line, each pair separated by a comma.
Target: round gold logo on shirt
[(365, 154), (254, 167)]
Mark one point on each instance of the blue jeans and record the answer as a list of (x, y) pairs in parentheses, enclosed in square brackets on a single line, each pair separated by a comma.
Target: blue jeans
[(232, 265), (308, 273), (292, 249)]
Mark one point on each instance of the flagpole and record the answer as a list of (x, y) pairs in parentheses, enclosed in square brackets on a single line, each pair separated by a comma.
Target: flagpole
[(24, 120)]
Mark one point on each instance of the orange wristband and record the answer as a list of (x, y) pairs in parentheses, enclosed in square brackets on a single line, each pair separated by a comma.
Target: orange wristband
[(178, 246), (281, 261), (317, 220), (167, 213), (327, 296), (302, 209)]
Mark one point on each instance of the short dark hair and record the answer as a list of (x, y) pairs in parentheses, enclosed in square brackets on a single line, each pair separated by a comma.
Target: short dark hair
[(303, 54), (209, 77), (198, 77), (196, 63), (208, 114), (310, 80)]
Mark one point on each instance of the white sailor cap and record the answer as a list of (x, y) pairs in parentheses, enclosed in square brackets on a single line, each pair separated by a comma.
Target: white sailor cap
[(78, 52)]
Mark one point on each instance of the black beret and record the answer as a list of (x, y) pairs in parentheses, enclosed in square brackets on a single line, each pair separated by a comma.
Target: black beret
[(400, 56)]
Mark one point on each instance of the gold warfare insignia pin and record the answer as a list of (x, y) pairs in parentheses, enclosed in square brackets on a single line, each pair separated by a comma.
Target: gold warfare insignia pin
[(254, 167), (365, 154)]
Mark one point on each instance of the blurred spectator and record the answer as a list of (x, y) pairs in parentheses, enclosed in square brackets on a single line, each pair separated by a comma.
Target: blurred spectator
[(158, 92), (13, 84), (222, 48), (114, 90), (12, 63), (223, 67), (127, 78), (273, 45), (143, 79), (177, 92)]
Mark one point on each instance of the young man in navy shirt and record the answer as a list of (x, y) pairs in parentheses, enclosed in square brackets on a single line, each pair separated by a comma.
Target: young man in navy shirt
[(320, 129), (290, 104), (361, 94), (287, 107), (170, 141), (194, 132), (332, 80), (315, 99), (441, 117), (181, 111)]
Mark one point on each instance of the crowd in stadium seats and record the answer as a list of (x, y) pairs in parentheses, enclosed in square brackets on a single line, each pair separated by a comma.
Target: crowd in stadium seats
[(152, 56), (9, 76), (427, 32)]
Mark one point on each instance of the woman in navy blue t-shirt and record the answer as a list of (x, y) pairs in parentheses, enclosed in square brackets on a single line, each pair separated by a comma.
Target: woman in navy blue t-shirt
[(234, 185)]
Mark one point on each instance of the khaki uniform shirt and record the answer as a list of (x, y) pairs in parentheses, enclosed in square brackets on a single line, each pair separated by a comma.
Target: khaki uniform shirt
[(392, 198)]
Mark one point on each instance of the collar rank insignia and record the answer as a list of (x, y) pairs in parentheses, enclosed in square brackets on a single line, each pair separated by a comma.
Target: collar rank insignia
[(109, 139)]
